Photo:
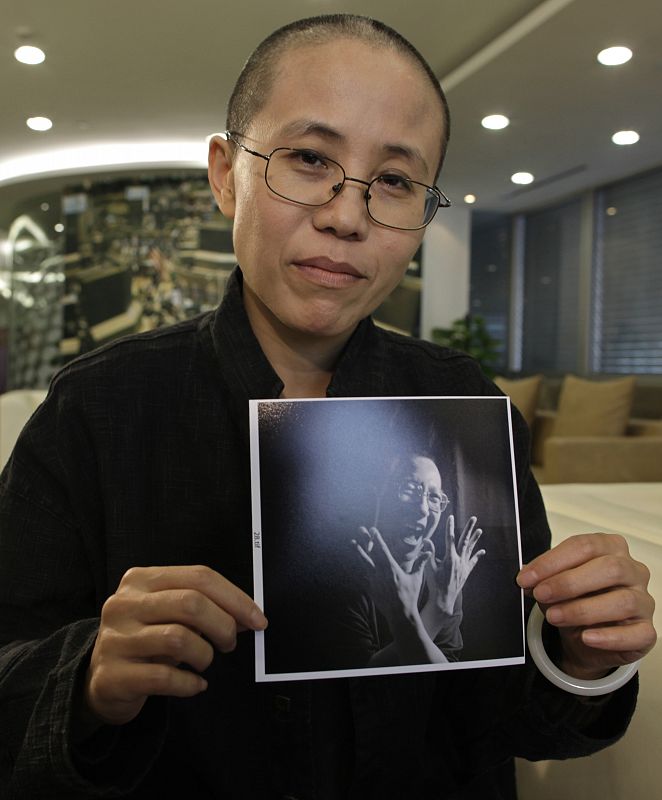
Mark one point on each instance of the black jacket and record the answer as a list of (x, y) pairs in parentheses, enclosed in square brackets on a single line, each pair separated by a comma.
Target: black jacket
[(140, 456)]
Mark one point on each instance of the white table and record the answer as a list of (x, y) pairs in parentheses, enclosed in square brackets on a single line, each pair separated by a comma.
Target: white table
[(632, 769), (633, 509)]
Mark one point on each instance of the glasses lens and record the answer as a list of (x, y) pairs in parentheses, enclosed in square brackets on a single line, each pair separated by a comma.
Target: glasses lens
[(401, 203), (303, 176)]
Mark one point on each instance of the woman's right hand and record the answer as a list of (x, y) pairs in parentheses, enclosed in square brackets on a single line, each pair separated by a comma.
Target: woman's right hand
[(158, 619)]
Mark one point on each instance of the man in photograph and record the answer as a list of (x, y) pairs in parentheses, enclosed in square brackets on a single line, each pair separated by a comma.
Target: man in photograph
[(417, 595)]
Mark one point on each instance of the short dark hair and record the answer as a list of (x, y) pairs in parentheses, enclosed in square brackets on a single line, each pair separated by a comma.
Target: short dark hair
[(256, 79)]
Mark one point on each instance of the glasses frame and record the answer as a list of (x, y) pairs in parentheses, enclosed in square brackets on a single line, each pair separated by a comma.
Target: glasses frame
[(420, 493), (442, 200)]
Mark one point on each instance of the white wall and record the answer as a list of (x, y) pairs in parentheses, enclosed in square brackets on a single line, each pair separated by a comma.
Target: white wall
[(445, 268)]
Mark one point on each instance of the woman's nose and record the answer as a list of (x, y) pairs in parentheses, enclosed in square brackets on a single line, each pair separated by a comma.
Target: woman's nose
[(346, 215)]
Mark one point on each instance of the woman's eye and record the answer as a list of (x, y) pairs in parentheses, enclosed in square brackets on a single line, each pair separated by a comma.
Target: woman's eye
[(395, 182), (309, 158)]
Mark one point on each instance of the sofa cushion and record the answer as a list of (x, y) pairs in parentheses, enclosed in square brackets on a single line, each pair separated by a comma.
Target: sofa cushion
[(594, 408), (524, 393)]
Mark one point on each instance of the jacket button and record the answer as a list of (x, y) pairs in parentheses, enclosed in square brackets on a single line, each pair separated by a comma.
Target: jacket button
[(282, 704)]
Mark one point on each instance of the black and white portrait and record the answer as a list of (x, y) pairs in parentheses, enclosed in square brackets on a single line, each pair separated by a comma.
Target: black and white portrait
[(385, 536)]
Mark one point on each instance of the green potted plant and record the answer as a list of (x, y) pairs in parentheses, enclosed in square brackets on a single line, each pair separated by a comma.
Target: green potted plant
[(470, 334)]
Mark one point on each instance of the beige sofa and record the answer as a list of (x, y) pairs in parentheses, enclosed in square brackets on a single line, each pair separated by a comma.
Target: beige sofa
[(590, 431), (635, 456)]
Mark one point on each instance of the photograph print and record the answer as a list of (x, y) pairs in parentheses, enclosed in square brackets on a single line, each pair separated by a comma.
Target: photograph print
[(385, 536)]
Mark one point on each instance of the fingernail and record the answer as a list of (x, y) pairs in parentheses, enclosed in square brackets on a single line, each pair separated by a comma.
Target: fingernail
[(542, 593), (554, 615), (203, 684), (258, 620), (527, 578)]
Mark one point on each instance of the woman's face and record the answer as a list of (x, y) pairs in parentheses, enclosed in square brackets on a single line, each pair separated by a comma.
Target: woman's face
[(315, 271), (409, 509)]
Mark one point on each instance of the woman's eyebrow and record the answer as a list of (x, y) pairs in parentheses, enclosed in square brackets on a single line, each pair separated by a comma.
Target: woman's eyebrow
[(411, 154), (303, 127)]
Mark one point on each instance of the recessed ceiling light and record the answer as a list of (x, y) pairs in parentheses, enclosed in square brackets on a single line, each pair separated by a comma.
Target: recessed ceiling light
[(45, 206), (625, 137), (523, 178), (495, 122), (27, 54), (614, 56), (39, 123), (58, 227), (611, 211), (470, 198)]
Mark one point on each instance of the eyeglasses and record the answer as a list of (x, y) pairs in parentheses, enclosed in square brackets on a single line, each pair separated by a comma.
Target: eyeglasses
[(409, 491), (310, 179)]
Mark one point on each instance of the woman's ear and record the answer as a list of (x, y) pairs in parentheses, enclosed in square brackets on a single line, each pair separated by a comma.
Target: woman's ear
[(221, 175)]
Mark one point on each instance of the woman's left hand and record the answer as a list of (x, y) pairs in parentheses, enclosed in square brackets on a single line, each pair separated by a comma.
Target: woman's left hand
[(596, 594)]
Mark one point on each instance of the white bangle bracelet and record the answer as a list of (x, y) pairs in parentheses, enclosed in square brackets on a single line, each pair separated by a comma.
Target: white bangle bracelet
[(566, 682)]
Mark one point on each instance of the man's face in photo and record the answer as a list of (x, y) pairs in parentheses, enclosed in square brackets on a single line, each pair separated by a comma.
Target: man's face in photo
[(410, 507)]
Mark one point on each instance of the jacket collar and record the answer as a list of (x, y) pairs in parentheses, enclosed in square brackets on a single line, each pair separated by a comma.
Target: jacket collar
[(360, 370)]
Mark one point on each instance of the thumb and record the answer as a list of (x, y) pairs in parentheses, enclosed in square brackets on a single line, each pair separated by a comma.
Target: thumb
[(421, 561), (427, 548)]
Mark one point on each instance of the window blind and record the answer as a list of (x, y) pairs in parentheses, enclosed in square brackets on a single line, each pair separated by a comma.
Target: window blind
[(551, 273), (489, 292), (627, 287)]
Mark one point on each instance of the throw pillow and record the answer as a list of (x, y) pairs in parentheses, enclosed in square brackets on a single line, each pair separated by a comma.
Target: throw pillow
[(523, 393), (594, 408)]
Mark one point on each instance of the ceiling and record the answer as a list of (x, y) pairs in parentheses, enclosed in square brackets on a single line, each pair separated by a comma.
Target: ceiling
[(153, 70)]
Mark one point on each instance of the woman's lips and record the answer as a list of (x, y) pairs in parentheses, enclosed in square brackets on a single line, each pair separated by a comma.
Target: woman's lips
[(325, 272)]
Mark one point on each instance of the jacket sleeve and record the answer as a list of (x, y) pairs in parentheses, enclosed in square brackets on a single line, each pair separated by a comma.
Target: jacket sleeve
[(51, 592)]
